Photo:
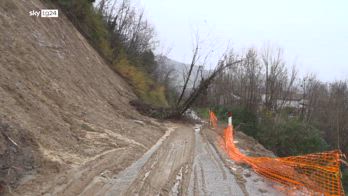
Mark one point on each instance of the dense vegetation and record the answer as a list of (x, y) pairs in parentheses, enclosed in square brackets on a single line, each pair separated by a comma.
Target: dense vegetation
[(345, 179), (124, 38), (284, 136)]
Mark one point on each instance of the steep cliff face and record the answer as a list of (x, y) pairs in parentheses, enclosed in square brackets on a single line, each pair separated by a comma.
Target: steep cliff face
[(60, 104)]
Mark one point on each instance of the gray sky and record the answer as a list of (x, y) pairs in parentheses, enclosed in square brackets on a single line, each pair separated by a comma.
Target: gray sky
[(313, 33)]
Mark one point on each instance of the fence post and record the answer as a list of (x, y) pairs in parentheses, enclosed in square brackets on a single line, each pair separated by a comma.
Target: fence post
[(229, 114)]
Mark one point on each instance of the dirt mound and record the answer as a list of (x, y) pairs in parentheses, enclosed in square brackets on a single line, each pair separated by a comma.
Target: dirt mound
[(60, 104)]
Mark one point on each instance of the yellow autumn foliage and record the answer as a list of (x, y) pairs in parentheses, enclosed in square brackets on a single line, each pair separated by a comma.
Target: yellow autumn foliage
[(144, 86)]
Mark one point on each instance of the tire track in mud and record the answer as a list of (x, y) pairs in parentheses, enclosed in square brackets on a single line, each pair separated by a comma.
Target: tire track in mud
[(210, 176), (76, 180), (158, 170), (182, 162), (92, 175), (249, 182)]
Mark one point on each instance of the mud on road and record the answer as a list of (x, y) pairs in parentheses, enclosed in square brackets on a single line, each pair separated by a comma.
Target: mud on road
[(210, 176), (184, 161)]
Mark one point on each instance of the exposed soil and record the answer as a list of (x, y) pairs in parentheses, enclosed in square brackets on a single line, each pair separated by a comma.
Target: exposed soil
[(61, 106), (184, 161)]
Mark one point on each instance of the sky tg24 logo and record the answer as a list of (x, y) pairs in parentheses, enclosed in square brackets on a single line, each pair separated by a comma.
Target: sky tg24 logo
[(45, 13)]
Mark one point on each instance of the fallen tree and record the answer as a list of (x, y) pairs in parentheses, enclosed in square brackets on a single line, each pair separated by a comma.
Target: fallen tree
[(204, 83)]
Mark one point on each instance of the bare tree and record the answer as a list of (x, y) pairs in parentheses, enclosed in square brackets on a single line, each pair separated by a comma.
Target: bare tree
[(289, 85), (128, 26), (275, 75), (204, 83), (327, 108), (187, 77)]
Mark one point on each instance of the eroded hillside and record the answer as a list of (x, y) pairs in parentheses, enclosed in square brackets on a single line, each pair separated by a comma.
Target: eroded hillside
[(60, 104)]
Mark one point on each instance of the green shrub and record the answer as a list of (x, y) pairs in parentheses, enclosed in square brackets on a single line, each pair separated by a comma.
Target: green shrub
[(284, 136), (202, 112), (290, 137), (242, 118), (345, 179)]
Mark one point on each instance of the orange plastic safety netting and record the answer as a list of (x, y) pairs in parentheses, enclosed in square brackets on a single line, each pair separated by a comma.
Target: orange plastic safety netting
[(212, 119), (311, 174)]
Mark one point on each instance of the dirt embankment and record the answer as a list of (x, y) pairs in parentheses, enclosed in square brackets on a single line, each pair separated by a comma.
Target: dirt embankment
[(60, 104)]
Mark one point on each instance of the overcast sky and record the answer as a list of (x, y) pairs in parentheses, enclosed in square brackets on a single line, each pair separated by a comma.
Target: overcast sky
[(313, 33)]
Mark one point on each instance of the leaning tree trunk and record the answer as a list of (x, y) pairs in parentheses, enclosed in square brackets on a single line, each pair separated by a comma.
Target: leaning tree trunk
[(203, 85)]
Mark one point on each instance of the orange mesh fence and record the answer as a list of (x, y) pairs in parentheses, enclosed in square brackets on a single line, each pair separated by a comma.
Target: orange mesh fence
[(311, 174), (213, 119)]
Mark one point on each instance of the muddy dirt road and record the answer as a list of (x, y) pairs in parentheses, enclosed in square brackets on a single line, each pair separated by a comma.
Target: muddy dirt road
[(186, 160), (159, 170), (210, 176)]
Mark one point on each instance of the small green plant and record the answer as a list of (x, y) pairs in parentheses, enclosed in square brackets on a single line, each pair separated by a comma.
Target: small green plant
[(242, 118), (202, 112)]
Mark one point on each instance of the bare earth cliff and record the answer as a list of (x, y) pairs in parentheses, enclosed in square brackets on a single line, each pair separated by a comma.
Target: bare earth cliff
[(60, 104)]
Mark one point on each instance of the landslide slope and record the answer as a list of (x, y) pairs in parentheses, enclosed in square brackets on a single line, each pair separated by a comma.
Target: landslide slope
[(60, 103)]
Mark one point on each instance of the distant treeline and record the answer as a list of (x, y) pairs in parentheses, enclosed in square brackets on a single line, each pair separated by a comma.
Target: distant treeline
[(267, 90)]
